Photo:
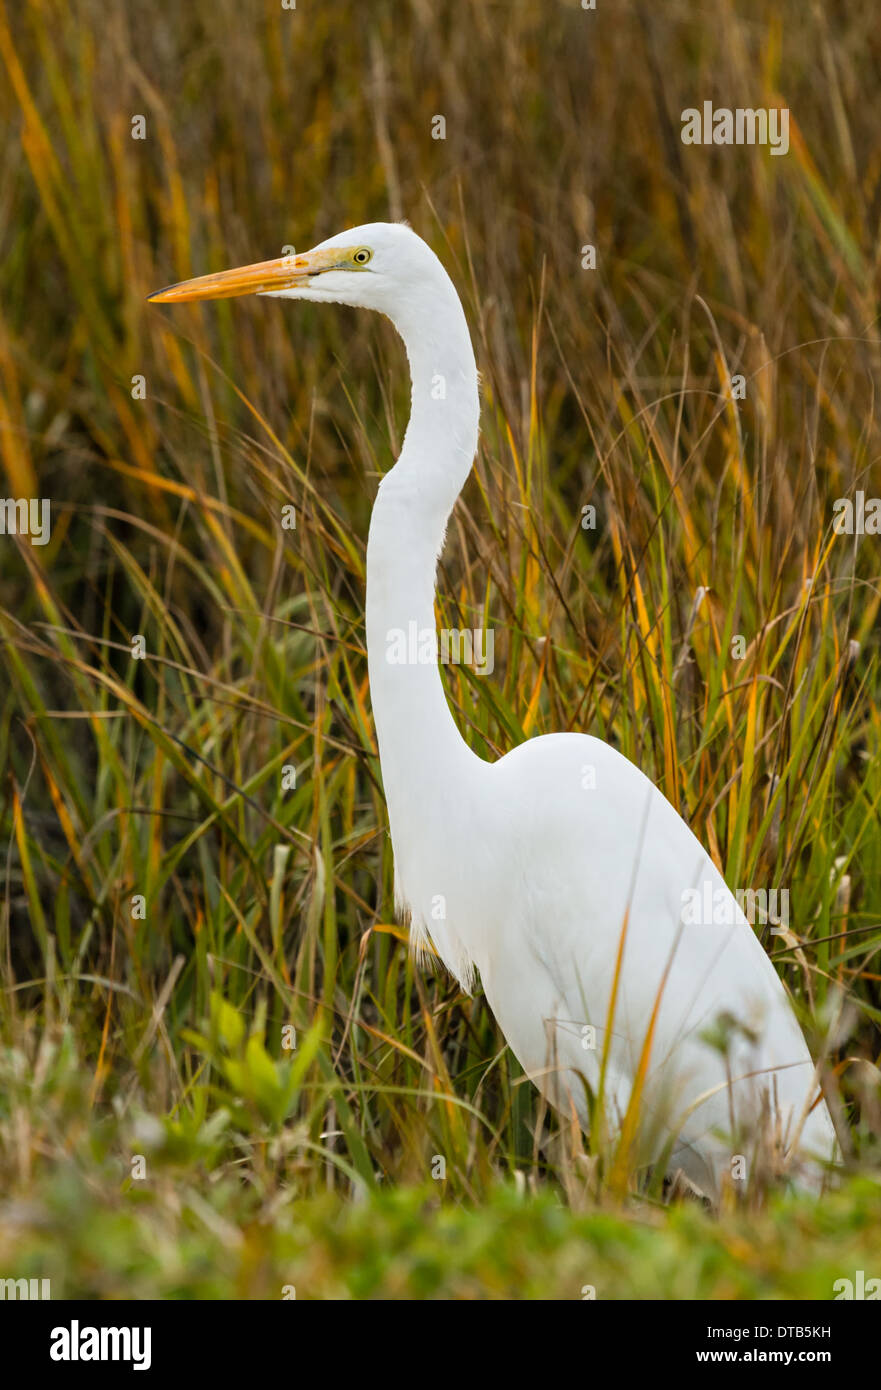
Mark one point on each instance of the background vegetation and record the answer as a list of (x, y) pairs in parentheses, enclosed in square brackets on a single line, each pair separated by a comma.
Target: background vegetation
[(162, 1035)]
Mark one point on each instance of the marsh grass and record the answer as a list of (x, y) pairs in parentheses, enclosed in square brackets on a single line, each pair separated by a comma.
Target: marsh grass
[(269, 908)]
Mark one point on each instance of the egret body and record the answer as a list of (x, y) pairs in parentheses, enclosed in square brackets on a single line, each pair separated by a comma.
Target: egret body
[(561, 871)]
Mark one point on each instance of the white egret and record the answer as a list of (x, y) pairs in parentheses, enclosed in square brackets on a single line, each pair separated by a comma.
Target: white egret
[(558, 872)]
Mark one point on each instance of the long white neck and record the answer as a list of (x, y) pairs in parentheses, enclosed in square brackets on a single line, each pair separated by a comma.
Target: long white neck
[(422, 753)]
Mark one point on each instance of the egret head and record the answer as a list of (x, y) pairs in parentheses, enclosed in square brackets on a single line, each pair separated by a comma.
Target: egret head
[(378, 266)]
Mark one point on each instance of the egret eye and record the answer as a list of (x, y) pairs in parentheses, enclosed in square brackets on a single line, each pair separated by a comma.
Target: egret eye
[(362, 256)]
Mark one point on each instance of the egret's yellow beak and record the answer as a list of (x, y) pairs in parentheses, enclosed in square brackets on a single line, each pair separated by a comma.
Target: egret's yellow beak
[(266, 276)]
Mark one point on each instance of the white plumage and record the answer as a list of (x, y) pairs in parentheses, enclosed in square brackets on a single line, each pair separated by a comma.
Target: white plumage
[(559, 873)]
